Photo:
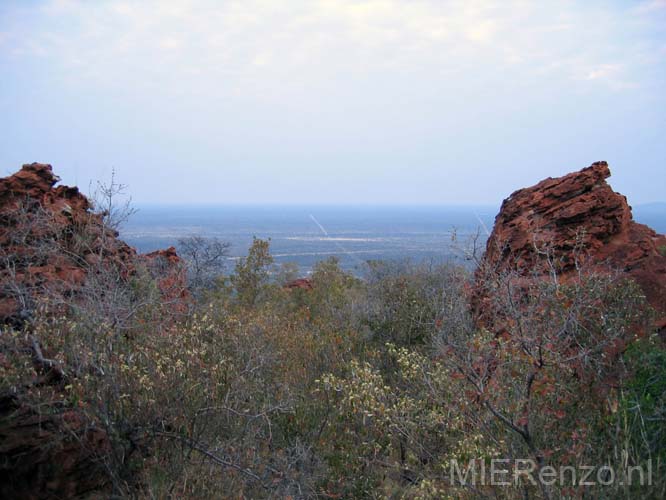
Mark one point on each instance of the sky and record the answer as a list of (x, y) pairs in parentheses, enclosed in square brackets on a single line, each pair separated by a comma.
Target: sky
[(334, 101)]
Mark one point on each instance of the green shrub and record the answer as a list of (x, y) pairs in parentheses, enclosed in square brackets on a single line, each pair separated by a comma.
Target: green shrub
[(642, 406)]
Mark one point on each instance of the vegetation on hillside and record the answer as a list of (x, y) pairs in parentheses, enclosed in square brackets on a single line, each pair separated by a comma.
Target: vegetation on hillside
[(375, 388)]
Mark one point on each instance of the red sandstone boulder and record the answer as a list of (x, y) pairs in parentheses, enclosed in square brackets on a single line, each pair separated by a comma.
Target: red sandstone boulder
[(577, 220)]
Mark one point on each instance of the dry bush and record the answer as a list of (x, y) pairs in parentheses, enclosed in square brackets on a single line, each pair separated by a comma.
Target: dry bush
[(206, 261), (352, 389)]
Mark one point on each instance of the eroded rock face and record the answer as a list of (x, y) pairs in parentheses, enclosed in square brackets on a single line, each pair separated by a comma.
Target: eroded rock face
[(50, 240), (578, 219)]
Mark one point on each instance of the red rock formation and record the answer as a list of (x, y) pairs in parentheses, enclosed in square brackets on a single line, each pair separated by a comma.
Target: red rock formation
[(50, 239), (578, 218), (299, 284), (172, 283)]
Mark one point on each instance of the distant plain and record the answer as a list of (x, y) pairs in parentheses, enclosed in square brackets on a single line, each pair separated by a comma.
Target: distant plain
[(355, 234)]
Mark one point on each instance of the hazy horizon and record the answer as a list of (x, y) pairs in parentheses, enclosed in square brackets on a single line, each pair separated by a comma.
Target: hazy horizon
[(195, 204), (335, 101), (305, 234)]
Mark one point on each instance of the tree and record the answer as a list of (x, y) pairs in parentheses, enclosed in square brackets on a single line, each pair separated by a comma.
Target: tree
[(252, 272), (112, 203), (206, 260)]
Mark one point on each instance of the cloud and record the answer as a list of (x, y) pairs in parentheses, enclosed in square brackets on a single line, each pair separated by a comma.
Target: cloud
[(603, 71), (613, 75), (260, 48), (651, 6), (482, 32), (342, 93)]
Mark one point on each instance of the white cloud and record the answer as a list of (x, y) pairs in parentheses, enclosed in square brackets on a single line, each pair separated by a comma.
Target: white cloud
[(262, 45), (651, 6), (481, 32), (612, 75), (250, 89), (603, 71), (170, 43)]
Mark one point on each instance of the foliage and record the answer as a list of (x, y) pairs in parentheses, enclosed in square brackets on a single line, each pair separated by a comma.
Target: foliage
[(641, 417), (354, 389), (252, 273), (408, 303)]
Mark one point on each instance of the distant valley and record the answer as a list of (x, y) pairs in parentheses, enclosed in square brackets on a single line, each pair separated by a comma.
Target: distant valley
[(304, 235)]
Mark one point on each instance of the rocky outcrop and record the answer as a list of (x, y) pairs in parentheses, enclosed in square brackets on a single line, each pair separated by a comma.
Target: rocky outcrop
[(299, 284), (55, 249), (51, 240), (577, 220), (171, 275)]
